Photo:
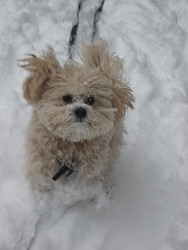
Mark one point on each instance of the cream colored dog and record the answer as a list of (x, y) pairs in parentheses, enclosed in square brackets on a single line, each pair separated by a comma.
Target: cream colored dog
[(76, 127)]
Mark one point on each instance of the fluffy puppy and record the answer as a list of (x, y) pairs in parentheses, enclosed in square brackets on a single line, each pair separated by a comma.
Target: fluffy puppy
[(76, 127)]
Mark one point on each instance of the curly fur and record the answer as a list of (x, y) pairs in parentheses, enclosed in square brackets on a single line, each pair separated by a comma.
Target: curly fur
[(53, 130)]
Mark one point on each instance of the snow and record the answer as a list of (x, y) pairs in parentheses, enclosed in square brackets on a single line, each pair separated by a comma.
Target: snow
[(149, 210)]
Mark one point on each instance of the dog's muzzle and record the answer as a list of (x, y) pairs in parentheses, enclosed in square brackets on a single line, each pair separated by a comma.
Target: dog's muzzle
[(80, 113)]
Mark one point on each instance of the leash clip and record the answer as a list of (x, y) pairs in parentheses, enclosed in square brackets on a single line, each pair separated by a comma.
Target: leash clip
[(63, 169)]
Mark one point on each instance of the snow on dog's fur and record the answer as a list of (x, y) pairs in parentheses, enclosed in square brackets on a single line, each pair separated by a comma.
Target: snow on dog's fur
[(77, 113)]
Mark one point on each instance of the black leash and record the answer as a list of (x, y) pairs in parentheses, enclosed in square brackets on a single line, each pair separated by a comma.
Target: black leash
[(96, 19), (73, 34)]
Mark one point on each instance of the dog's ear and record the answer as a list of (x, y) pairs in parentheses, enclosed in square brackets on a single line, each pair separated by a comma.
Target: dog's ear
[(98, 56), (123, 98), (41, 70)]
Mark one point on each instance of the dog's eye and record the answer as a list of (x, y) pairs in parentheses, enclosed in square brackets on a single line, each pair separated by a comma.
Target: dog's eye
[(90, 100), (67, 98)]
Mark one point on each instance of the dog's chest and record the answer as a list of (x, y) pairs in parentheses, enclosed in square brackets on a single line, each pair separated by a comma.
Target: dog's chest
[(69, 151), (78, 156), (51, 153)]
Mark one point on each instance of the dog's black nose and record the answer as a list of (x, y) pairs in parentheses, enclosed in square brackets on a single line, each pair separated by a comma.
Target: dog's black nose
[(80, 112)]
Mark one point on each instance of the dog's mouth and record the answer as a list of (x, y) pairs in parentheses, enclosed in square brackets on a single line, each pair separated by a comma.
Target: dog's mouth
[(80, 120)]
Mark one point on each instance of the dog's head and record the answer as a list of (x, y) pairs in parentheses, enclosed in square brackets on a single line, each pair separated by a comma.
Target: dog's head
[(78, 102)]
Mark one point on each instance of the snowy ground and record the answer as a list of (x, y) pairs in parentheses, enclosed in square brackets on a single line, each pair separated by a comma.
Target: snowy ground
[(150, 206)]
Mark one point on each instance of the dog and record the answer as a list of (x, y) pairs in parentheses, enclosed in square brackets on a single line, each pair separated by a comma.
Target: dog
[(76, 128)]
